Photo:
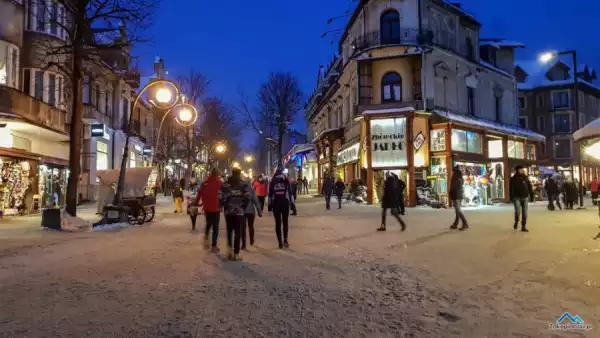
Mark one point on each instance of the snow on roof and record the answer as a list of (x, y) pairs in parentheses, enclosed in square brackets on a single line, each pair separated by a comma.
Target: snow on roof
[(590, 130), (536, 73), (501, 43), (490, 66), (325, 132), (387, 110), (491, 125)]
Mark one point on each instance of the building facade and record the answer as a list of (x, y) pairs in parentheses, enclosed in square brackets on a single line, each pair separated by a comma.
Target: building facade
[(415, 91), (547, 105)]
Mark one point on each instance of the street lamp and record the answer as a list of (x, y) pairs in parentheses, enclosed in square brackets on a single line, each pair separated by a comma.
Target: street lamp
[(164, 95), (545, 58), (249, 158), (235, 164), (185, 114), (220, 148)]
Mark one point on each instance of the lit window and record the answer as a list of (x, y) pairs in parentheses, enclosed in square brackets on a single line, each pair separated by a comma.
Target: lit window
[(391, 86)]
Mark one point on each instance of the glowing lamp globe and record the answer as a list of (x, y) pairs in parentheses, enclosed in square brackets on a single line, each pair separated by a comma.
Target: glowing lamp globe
[(163, 95), (185, 115)]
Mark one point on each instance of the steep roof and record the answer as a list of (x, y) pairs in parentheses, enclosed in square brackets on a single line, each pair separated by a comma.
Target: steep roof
[(537, 73), (500, 43)]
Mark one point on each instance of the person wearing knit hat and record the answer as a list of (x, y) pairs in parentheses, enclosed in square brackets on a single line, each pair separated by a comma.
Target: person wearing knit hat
[(520, 192)]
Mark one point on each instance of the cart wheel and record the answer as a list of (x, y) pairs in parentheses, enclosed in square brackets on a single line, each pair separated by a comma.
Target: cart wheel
[(137, 220), (150, 214)]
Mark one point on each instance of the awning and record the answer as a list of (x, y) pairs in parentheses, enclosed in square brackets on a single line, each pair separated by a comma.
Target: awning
[(298, 149), (591, 130), (490, 125), (327, 132)]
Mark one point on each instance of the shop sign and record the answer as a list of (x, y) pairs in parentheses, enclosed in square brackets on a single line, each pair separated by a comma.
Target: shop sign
[(99, 130), (419, 141), (348, 155), (147, 151), (388, 143)]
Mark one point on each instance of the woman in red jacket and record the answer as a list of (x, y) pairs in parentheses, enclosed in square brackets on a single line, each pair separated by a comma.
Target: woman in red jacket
[(261, 187), (209, 194)]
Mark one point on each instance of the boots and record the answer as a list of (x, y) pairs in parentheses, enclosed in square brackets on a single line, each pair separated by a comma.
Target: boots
[(524, 228), (230, 254), (206, 243), (381, 228)]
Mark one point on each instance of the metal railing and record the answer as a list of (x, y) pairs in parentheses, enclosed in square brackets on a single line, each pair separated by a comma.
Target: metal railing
[(404, 36)]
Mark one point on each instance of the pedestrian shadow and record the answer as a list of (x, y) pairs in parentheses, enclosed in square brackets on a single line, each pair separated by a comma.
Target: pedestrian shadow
[(343, 239), (422, 240)]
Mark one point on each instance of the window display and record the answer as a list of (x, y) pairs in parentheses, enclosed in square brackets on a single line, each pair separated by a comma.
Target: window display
[(530, 152), (52, 184), (475, 184), (14, 185), (495, 149), (516, 149), (438, 140), (496, 174)]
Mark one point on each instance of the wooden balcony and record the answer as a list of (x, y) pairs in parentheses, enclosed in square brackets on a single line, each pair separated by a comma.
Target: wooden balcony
[(15, 102)]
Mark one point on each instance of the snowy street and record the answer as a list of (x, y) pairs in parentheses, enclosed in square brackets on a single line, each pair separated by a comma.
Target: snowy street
[(340, 278)]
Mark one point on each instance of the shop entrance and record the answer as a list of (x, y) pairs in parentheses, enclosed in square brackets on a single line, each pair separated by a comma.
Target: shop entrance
[(475, 186), (379, 180), (52, 186)]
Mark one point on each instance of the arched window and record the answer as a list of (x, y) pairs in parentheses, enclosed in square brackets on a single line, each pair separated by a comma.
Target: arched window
[(391, 87), (390, 27)]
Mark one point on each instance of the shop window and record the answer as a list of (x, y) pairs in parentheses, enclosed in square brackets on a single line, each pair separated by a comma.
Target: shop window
[(391, 86), (495, 149), (438, 140), (132, 163), (101, 156), (516, 149), (496, 184), (530, 152), (562, 123), (466, 141)]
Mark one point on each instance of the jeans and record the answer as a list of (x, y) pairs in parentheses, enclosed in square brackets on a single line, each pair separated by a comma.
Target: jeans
[(551, 199), (328, 201), (594, 197), (261, 201), (395, 212), (212, 222), (193, 218), (281, 212), (234, 231), (339, 198), (248, 223), (520, 208), (458, 213)]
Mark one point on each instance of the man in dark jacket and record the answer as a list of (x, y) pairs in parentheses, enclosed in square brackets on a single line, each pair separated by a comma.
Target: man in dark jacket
[(280, 197), (401, 188), (553, 193), (456, 195), (234, 196), (520, 192), (294, 190), (327, 190), (339, 188), (391, 200)]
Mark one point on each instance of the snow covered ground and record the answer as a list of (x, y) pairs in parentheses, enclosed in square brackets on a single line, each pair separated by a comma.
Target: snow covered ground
[(340, 278)]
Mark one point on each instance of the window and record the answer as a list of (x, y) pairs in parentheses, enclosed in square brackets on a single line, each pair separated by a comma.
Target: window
[(562, 148), (471, 100), (522, 102), (96, 95), (560, 99), (54, 18), (493, 57), (581, 100), (101, 156), (523, 122), (530, 152), (582, 120), (9, 64), (52, 90), (27, 81), (132, 159), (86, 93), (39, 85), (466, 141), (46, 17), (40, 23), (470, 50), (124, 112), (541, 124), (515, 149), (498, 109), (390, 28), (562, 123), (540, 101), (391, 86), (61, 99), (438, 140), (495, 149)]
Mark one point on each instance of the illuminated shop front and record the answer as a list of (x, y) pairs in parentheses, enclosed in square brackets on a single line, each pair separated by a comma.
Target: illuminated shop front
[(347, 161)]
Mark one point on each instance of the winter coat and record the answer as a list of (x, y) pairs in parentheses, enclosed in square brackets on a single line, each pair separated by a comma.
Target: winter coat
[(294, 187), (551, 187), (391, 193), (261, 187), (570, 190), (178, 192), (594, 186), (327, 188), (457, 186), (280, 190), (234, 196), (254, 204), (209, 194), (520, 187), (339, 188)]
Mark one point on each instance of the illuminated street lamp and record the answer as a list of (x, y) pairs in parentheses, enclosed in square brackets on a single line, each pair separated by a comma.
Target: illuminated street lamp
[(235, 164), (249, 158), (545, 58), (185, 114), (220, 148)]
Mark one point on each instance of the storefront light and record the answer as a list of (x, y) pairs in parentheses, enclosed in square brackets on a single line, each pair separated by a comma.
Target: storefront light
[(6, 138), (419, 160), (593, 150)]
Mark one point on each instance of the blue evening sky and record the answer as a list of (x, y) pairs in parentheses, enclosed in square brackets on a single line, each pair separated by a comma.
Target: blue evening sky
[(236, 43)]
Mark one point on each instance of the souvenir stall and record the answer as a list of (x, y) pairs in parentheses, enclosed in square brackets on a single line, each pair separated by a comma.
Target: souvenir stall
[(476, 183), (14, 185)]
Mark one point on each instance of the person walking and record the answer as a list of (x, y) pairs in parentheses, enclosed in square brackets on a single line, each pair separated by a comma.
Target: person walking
[(234, 196), (520, 192), (327, 191), (280, 197), (250, 214), (208, 193), (456, 195), (594, 190), (553, 193), (401, 187), (294, 190), (261, 186), (570, 191), (391, 200), (339, 189), (178, 198), (305, 185)]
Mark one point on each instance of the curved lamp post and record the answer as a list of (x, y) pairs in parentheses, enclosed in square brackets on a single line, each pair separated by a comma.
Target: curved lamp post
[(164, 96), (186, 116)]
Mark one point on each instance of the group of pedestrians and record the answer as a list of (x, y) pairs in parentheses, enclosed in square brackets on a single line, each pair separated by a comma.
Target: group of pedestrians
[(240, 202), (330, 188), (556, 186)]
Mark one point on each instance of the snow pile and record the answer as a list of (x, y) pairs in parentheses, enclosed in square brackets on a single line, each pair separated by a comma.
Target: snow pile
[(114, 226), (73, 224)]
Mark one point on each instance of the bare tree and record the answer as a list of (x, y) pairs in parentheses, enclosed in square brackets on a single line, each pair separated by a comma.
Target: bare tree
[(194, 85), (219, 125), (92, 33), (278, 101)]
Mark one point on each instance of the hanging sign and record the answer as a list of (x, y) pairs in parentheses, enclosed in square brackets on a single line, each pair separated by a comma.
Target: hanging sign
[(419, 141), (388, 143), (348, 155), (97, 130)]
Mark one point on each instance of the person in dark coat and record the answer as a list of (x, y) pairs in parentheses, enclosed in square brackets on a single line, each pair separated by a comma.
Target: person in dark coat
[(520, 193), (338, 189), (570, 191), (391, 200), (294, 189), (553, 193), (402, 187), (456, 195), (327, 191)]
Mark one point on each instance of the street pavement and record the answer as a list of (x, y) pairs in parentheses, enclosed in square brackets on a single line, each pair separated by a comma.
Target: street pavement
[(340, 278)]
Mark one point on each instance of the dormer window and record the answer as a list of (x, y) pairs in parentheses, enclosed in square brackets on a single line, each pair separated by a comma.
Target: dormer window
[(390, 27)]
